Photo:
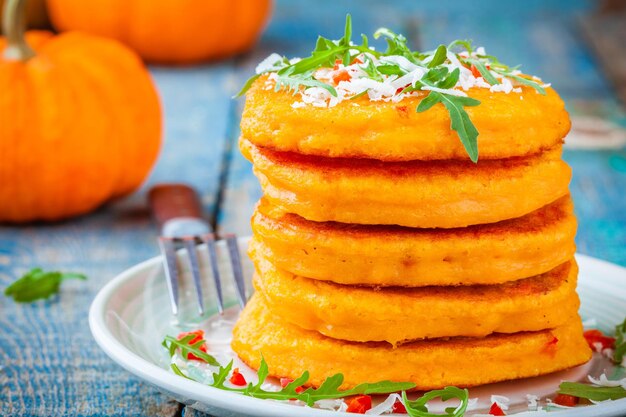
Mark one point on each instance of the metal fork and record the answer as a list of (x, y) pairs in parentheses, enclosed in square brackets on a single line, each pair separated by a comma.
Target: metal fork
[(177, 210)]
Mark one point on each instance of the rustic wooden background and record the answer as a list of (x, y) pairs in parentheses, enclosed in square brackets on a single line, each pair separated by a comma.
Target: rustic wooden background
[(49, 363)]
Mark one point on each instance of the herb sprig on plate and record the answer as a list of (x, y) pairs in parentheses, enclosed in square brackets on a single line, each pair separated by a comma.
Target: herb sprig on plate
[(592, 392), (329, 389), (439, 75), (38, 284)]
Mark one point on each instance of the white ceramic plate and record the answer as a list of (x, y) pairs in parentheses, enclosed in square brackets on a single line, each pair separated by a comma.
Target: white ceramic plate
[(131, 314)]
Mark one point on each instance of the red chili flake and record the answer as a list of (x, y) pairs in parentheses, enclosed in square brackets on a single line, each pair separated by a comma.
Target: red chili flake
[(199, 335), (399, 90), (360, 404), (398, 408), (337, 63), (595, 339), (551, 346), (341, 76), (286, 381), (403, 111), (475, 71), (495, 410), (566, 400), (237, 378)]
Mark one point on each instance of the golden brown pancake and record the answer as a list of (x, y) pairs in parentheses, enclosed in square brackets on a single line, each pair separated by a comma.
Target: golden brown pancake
[(509, 125), (441, 194), (395, 315), (400, 256), (290, 350)]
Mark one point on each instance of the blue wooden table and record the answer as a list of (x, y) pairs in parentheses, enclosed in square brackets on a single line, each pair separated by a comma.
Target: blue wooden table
[(49, 363)]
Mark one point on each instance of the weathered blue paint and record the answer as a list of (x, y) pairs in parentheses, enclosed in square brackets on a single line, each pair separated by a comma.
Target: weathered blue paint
[(49, 364)]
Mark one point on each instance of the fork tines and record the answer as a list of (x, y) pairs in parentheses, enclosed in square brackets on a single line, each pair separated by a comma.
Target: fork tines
[(169, 245)]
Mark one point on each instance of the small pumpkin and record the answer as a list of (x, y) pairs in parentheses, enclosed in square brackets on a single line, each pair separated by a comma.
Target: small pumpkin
[(80, 121), (168, 31)]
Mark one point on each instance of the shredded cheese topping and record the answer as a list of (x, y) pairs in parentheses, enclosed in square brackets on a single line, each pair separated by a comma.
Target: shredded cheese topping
[(352, 80)]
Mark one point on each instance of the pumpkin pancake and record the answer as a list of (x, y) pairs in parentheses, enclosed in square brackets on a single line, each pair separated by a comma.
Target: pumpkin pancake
[(395, 315), (401, 256), (435, 194), (509, 125), (290, 350)]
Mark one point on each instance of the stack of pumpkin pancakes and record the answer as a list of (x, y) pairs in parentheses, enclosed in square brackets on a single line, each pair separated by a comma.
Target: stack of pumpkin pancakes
[(383, 253)]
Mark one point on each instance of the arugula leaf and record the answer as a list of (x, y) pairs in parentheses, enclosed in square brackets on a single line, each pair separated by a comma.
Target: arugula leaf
[(396, 44), (247, 85), (450, 80), (220, 377), (441, 54), (434, 75), (347, 40), (172, 344), (431, 99), (38, 284), (460, 121), (521, 80), (178, 372), (292, 82), (418, 407), (390, 69), (591, 392), (371, 70), (486, 74), (620, 343), (463, 43)]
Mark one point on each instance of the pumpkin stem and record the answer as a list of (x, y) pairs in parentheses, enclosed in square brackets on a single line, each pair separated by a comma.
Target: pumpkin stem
[(14, 28)]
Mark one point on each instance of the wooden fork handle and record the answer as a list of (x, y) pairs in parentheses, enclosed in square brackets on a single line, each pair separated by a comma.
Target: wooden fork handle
[(171, 201)]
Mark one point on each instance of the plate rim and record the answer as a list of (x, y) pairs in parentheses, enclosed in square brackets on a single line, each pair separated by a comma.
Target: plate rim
[(225, 400)]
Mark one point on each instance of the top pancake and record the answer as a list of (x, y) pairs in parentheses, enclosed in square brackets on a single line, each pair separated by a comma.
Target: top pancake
[(509, 125)]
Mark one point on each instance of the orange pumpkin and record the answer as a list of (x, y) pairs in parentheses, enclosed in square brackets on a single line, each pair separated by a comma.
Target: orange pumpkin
[(80, 122), (168, 31)]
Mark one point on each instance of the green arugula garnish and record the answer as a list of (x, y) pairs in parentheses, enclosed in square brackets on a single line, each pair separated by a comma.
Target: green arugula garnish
[(620, 343), (172, 344), (591, 392), (329, 389), (458, 116), (433, 66), (418, 407), (38, 284)]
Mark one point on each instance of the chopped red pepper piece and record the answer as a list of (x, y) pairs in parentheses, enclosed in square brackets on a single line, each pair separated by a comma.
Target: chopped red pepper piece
[(356, 61), (403, 111), (199, 335), (237, 378), (495, 410), (398, 408), (286, 381), (551, 346), (596, 339), (475, 71), (566, 400), (341, 76), (337, 63), (360, 404)]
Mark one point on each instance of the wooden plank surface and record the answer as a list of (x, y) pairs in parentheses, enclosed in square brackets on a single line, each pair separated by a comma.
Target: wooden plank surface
[(50, 365)]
